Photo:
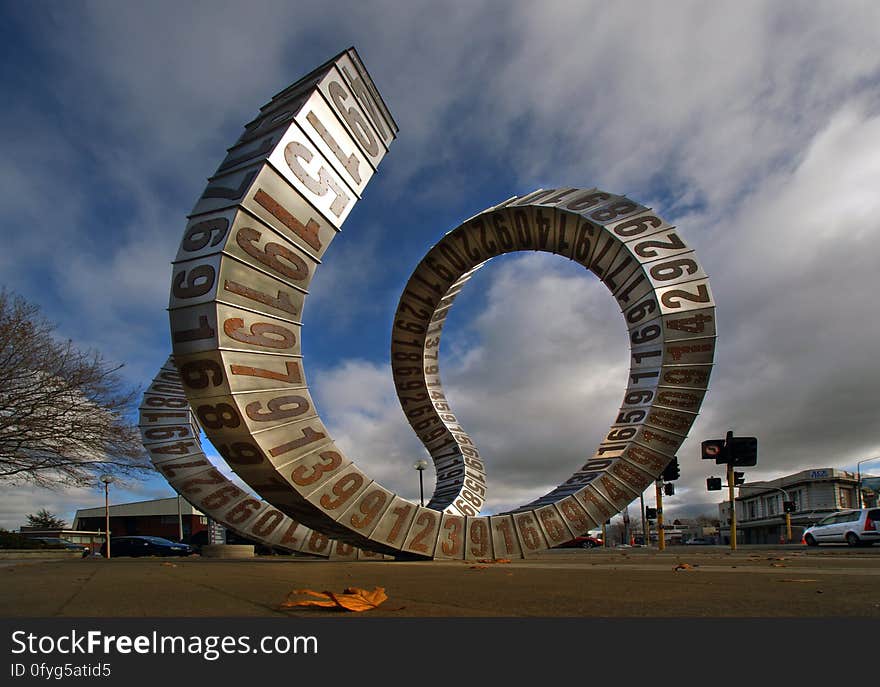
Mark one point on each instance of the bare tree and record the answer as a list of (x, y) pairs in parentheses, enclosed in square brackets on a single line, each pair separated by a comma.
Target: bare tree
[(64, 413), (46, 519)]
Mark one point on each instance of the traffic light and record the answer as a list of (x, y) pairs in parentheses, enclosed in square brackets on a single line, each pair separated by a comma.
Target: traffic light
[(669, 489), (744, 451), (713, 484), (788, 507), (712, 449), (672, 472), (738, 478), (651, 513)]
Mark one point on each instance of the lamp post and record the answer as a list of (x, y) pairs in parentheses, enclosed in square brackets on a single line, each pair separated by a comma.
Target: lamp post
[(420, 465), (859, 477), (106, 479)]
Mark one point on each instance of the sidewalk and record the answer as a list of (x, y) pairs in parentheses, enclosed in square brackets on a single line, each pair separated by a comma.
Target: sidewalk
[(573, 583)]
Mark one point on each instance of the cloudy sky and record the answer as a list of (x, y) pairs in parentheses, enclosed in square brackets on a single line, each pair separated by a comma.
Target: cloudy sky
[(752, 126)]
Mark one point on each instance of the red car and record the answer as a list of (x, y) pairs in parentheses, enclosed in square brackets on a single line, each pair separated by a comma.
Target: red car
[(585, 542)]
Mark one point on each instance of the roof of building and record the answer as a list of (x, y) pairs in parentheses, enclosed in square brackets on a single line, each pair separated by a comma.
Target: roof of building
[(154, 507)]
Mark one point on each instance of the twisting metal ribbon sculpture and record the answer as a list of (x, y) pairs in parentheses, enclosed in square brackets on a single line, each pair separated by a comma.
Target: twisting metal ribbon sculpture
[(252, 244)]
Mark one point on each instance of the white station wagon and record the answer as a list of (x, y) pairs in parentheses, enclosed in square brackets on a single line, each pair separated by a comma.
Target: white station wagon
[(853, 527)]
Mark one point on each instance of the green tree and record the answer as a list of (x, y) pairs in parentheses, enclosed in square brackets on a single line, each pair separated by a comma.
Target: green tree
[(47, 520), (64, 413)]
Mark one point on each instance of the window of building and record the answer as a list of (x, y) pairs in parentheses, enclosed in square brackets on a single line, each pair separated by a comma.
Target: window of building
[(770, 505), (753, 510), (203, 519), (845, 497)]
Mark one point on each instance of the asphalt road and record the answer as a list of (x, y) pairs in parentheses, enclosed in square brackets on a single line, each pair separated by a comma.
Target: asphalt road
[(681, 582)]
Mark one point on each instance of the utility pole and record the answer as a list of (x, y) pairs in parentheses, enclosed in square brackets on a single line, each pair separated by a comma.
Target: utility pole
[(644, 519), (732, 507), (661, 536)]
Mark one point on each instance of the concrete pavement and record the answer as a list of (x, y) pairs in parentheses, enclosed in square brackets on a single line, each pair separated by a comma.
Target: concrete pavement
[(679, 582)]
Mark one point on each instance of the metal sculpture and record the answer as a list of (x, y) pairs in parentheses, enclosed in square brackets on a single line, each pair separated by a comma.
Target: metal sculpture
[(253, 242)]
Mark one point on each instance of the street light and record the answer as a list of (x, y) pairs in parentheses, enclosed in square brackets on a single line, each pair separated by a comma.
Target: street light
[(420, 465), (859, 477), (106, 479)]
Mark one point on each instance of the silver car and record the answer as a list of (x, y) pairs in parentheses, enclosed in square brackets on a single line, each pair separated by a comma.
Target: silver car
[(853, 527)]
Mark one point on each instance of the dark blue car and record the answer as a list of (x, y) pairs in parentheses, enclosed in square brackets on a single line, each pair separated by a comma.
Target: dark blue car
[(145, 546)]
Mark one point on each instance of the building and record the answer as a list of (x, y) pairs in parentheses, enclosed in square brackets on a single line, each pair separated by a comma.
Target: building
[(172, 518), (760, 517), (93, 539)]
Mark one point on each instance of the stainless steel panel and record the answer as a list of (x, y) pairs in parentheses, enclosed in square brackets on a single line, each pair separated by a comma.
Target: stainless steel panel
[(531, 539), (261, 141), (619, 271), (638, 226), (690, 325), (362, 86), (243, 330), (607, 247), (633, 477), (317, 544), (339, 96), (504, 538), (422, 536), (363, 554), (298, 160), (451, 540), (267, 524), (241, 285), (262, 410), (693, 295), (687, 376), (675, 270), (478, 544), (577, 238), (168, 433), (395, 523), (655, 245), (282, 207), (576, 516), (644, 378), (690, 352), (181, 468), (618, 493), (290, 535), (194, 281), (366, 511), (633, 290), (650, 461), (553, 525), (226, 191), (659, 440), (688, 400), (256, 244), (194, 329), (646, 356), (368, 98), (336, 494), (225, 372), (340, 551), (467, 239), (334, 142), (163, 402), (286, 443), (323, 467), (595, 503), (671, 420)]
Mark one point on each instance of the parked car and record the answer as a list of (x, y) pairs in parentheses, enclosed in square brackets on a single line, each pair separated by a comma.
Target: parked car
[(60, 543), (854, 527), (145, 546), (698, 541), (585, 542)]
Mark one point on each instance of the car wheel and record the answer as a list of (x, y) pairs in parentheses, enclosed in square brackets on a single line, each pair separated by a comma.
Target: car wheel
[(587, 545), (852, 539), (811, 541)]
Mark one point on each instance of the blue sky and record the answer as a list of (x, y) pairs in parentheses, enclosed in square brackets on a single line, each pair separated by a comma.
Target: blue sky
[(752, 126)]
